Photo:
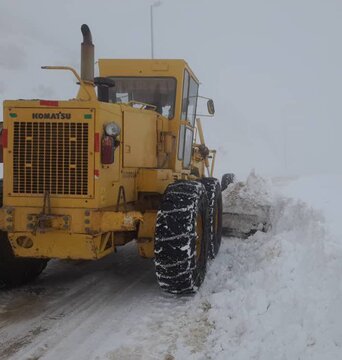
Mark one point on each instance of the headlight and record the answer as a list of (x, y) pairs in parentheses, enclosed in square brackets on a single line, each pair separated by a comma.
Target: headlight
[(112, 129)]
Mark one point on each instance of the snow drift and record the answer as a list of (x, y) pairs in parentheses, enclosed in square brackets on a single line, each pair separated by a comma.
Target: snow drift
[(275, 295)]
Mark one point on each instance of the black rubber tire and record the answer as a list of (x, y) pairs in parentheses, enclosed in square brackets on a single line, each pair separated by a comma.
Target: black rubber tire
[(16, 271), (214, 195), (226, 180), (178, 269)]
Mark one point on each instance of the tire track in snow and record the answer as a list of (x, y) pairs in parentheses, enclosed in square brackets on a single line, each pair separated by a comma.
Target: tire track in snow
[(94, 293)]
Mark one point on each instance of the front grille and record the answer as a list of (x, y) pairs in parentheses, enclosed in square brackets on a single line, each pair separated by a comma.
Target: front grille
[(50, 157)]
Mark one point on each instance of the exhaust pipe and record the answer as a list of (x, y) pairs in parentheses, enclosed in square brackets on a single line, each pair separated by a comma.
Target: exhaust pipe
[(87, 55)]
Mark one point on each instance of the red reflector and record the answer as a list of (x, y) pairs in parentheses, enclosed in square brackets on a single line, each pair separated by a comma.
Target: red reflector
[(97, 142), (48, 103), (4, 137), (107, 150), (97, 173), (3, 143)]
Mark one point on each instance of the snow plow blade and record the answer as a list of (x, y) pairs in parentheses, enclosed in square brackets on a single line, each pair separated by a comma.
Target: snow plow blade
[(246, 207), (244, 225)]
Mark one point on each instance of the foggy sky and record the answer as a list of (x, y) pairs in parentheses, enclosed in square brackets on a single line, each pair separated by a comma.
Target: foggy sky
[(272, 67)]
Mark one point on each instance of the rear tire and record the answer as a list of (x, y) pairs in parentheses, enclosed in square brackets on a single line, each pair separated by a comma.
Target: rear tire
[(214, 194), (182, 237), (15, 271), (226, 180)]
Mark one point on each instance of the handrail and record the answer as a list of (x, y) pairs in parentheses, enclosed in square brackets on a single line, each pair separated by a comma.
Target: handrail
[(82, 83)]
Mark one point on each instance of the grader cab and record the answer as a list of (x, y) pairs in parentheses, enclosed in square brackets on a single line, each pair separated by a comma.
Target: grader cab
[(125, 160)]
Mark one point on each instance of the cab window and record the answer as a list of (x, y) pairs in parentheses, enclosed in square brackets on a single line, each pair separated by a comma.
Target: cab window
[(159, 91), (189, 104)]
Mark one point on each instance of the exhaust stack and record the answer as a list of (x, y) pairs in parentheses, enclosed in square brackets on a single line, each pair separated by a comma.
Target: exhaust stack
[(87, 55)]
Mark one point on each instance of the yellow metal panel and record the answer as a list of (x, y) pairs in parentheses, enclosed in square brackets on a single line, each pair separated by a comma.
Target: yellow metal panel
[(143, 67), (61, 246), (106, 183), (6, 219), (24, 218), (146, 232), (154, 180), (146, 248), (140, 140), (69, 220), (119, 221), (148, 225)]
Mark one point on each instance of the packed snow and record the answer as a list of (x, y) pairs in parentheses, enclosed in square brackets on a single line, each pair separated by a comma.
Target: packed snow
[(275, 295), (248, 196), (246, 205)]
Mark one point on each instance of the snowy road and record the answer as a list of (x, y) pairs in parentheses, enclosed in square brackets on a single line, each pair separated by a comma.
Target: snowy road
[(75, 307), (273, 296)]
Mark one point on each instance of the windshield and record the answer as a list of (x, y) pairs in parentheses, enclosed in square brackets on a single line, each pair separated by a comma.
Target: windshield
[(160, 92)]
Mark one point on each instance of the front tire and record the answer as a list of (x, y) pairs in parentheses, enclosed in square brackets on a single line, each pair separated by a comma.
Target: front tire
[(214, 194), (182, 237)]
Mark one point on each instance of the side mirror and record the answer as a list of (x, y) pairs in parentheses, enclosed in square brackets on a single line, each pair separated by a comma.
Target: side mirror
[(211, 107)]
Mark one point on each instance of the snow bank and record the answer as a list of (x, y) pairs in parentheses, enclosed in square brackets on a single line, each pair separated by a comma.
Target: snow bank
[(275, 295), (270, 301)]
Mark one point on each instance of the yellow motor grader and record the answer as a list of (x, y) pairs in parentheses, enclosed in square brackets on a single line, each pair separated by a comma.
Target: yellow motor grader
[(125, 160)]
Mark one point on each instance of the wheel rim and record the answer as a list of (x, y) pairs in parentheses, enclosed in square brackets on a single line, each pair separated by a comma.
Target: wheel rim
[(199, 235)]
